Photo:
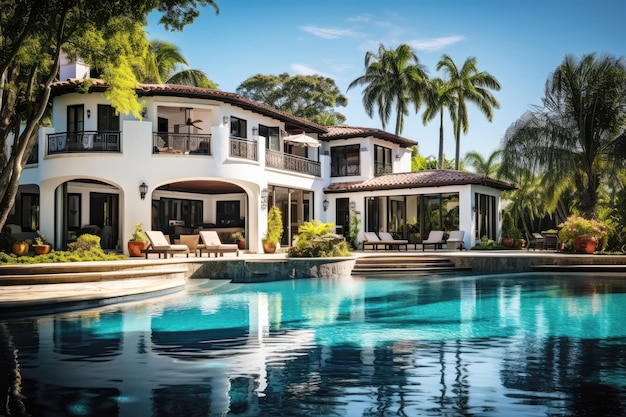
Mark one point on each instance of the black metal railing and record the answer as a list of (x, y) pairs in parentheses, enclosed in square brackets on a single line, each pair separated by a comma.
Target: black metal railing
[(84, 141), (242, 148), (181, 143), (280, 160)]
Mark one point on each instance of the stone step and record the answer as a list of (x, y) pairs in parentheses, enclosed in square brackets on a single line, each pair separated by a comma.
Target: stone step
[(404, 265)]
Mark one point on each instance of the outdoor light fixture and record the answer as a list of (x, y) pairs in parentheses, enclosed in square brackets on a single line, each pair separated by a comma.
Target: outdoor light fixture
[(255, 132), (352, 205), (143, 190), (325, 205), (263, 198), (225, 120), (88, 113)]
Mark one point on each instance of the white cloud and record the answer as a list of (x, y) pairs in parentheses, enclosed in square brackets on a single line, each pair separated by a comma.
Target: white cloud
[(331, 33), (434, 44), (364, 18), (306, 70)]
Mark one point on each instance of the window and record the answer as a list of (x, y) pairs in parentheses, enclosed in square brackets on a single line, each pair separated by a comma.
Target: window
[(107, 119), (485, 216), (75, 118), (271, 135), (345, 161), (382, 161), (238, 127)]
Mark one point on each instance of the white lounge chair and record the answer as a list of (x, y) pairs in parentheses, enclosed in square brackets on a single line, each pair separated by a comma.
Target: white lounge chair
[(455, 241), (159, 244), (372, 239), (211, 243), (435, 239), (388, 237)]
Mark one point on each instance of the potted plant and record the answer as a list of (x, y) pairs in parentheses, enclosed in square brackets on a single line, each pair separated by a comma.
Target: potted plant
[(274, 230), (41, 246), (582, 235), (508, 227), (138, 241), (240, 238)]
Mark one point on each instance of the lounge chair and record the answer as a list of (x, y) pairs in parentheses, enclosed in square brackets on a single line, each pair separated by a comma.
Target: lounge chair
[(372, 239), (455, 241), (191, 241), (211, 243), (159, 244), (536, 241), (435, 239), (388, 237)]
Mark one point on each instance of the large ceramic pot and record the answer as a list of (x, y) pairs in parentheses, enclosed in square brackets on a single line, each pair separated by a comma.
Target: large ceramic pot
[(507, 241), (135, 248), (585, 244), (41, 249), (20, 248), (241, 244), (269, 247)]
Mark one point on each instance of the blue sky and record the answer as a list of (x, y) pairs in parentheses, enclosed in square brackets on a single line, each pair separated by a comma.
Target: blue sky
[(520, 43)]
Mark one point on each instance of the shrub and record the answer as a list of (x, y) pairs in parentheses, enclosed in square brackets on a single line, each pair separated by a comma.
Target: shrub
[(317, 240), (274, 225), (138, 235)]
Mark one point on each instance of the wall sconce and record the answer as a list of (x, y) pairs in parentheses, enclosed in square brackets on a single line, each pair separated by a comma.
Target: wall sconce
[(352, 205), (143, 190), (263, 198), (88, 113), (255, 132), (325, 205), (398, 156), (225, 120)]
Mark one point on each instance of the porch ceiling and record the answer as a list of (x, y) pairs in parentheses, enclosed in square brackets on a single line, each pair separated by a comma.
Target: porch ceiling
[(203, 187)]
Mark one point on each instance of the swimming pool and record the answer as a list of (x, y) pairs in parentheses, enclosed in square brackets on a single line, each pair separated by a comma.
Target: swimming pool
[(500, 345)]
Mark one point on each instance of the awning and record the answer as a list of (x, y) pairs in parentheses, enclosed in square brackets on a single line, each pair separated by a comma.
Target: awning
[(302, 139)]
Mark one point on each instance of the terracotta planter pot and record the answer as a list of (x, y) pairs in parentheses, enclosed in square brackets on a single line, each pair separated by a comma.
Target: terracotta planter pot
[(507, 241), (519, 243), (269, 247), (20, 248), (135, 248), (585, 244), (41, 249), (241, 244)]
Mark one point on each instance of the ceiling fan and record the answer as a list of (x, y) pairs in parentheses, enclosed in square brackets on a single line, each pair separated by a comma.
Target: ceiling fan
[(190, 122)]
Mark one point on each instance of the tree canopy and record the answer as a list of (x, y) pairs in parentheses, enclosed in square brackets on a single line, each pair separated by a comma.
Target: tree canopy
[(108, 35), (311, 97), (394, 79)]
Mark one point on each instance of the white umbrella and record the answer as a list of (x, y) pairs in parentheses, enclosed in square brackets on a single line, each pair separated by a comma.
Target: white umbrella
[(303, 140)]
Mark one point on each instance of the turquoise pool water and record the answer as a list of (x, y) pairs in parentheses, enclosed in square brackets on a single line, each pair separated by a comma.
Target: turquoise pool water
[(506, 345)]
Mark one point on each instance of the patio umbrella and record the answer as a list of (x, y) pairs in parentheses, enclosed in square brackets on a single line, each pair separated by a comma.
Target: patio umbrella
[(303, 140)]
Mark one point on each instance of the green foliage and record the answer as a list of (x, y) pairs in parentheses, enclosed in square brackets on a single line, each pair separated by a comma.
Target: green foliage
[(509, 229), (85, 249), (317, 240), (138, 235), (487, 244), (40, 239), (311, 97), (353, 232), (274, 226)]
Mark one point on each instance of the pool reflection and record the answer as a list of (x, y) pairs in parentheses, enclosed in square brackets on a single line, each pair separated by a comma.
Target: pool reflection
[(490, 346)]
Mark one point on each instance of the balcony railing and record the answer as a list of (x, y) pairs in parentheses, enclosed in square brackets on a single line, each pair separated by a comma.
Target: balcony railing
[(274, 159), (381, 168), (242, 148), (345, 169), (85, 141), (181, 143)]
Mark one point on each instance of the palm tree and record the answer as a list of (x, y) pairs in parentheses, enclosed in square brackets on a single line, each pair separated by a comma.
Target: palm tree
[(468, 84), (165, 64), (393, 80), (490, 166), (437, 99), (571, 142)]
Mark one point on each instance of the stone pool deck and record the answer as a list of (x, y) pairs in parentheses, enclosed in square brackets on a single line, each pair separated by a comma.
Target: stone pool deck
[(23, 287)]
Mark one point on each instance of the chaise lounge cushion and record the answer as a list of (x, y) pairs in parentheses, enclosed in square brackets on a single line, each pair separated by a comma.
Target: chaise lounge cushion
[(211, 243), (435, 238), (456, 240), (160, 244)]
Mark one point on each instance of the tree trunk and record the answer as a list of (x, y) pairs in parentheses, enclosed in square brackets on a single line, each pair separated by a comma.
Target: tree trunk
[(440, 157)]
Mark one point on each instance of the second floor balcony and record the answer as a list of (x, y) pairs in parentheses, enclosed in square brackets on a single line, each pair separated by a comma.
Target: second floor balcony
[(84, 141), (181, 143), (280, 160)]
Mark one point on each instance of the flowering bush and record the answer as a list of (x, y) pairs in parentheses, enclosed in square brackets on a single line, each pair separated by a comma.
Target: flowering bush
[(576, 226)]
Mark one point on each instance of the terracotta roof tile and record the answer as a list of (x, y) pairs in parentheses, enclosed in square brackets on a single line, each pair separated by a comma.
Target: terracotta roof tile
[(426, 178), (347, 132)]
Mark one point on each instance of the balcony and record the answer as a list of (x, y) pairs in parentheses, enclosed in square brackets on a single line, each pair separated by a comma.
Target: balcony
[(242, 148), (83, 142), (181, 143), (274, 159), (381, 168)]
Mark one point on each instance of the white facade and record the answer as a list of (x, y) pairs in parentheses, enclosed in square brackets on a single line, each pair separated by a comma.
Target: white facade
[(198, 173)]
